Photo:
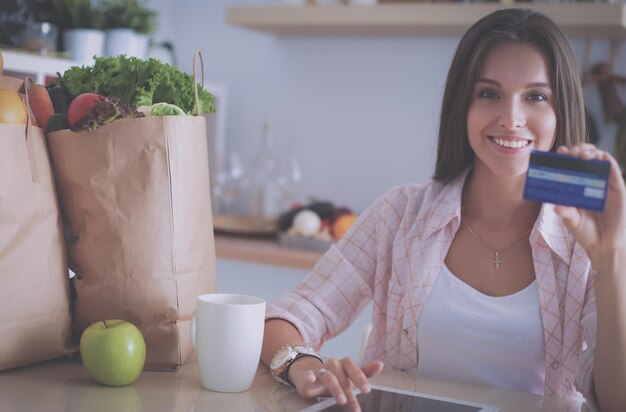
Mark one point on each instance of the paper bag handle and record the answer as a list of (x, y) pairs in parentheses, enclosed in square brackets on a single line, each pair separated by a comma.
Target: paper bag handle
[(198, 53), (29, 143)]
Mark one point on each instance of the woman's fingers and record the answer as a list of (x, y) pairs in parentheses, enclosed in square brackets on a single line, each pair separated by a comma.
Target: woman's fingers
[(599, 233), (344, 371), (373, 368), (358, 375), (337, 378), (588, 151), (571, 217), (331, 382), (349, 375), (580, 147)]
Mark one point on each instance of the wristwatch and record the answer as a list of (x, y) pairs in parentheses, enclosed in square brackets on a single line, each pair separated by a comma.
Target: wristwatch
[(287, 355)]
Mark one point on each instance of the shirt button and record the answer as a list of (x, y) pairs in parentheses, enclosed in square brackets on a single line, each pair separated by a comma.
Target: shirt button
[(405, 332), (554, 365)]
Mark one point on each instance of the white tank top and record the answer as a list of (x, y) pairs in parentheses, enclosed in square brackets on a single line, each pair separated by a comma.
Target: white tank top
[(464, 335)]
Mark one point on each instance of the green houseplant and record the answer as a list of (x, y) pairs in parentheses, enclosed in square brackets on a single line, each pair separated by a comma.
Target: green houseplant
[(129, 14), (78, 14), (128, 25), (81, 22)]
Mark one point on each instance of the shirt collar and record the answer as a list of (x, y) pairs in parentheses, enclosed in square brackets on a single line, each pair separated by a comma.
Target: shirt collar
[(553, 232), (446, 205)]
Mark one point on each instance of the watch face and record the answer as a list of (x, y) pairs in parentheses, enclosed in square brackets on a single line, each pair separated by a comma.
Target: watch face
[(280, 357)]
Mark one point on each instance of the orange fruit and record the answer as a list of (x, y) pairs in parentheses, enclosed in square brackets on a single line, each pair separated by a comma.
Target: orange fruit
[(341, 224), (12, 110)]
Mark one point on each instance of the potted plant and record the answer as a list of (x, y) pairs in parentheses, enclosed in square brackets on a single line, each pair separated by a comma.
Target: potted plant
[(128, 25), (81, 22)]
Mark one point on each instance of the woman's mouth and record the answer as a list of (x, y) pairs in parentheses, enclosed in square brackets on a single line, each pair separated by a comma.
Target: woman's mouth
[(510, 143)]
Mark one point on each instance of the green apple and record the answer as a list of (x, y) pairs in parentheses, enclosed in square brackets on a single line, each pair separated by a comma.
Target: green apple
[(113, 352)]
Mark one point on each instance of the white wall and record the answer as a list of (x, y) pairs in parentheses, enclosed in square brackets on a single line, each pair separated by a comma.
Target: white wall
[(360, 113)]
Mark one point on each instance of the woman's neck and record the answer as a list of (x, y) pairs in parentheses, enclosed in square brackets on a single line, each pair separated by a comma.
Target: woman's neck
[(497, 202)]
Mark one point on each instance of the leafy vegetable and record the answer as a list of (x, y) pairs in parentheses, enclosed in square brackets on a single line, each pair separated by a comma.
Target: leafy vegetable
[(161, 109), (106, 110), (137, 83)]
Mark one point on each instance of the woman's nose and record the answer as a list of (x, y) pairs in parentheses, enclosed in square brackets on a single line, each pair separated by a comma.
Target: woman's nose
[(511, 115)]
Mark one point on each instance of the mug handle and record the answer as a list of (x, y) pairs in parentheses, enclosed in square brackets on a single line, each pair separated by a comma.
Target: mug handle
[(192, 330)]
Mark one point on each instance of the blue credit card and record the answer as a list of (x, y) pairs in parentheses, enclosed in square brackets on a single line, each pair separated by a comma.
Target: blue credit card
[(566, 180)]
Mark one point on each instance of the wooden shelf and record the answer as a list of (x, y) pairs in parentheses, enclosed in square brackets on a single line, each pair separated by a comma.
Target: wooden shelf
[(265, 251), (424, 19)]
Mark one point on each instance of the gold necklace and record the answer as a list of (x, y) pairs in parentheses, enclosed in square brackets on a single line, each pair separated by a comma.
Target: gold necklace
[(497, 262)]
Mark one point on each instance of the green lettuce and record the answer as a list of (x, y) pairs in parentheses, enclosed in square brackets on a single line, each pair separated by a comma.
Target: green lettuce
[(161, 109), (138, 82)]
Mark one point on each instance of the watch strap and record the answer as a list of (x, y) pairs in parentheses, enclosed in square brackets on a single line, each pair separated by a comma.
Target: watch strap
[(285, 374), (280, 373)]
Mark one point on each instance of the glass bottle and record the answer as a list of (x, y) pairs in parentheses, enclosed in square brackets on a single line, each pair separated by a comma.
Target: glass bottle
[(268, 199)]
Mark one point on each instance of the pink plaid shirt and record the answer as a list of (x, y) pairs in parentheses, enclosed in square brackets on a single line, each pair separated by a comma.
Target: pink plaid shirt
[(393, 255)]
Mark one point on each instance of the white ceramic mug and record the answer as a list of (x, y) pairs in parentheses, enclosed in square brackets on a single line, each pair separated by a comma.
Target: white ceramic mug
[(227, 334)]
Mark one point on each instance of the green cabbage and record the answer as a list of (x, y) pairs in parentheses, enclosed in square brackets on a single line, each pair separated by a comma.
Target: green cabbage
[(161, 109), (138, 82)]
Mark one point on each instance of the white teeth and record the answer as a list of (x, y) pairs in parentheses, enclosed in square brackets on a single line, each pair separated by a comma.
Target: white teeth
[(513, 144)]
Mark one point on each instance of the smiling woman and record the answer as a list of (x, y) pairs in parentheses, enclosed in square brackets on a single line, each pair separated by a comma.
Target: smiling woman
[(454, 153), (470, 281), (511, 110)]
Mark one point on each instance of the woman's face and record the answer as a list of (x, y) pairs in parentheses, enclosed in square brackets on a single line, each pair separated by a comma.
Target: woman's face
[(512, 110)]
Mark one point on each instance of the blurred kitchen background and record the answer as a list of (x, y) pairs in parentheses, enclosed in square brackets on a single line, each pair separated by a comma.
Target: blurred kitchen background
[(349, 116)]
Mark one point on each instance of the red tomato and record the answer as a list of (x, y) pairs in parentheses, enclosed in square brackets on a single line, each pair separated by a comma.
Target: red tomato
[(80, 106)]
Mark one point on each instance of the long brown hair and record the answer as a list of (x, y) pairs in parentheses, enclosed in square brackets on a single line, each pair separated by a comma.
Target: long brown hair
[(454, 153)]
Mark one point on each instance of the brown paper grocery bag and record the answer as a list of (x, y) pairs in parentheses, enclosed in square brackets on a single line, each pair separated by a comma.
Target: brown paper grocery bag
[(35, 322), (135, 194)]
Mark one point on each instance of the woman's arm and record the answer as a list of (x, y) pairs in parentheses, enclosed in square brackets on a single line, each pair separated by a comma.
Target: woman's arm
[(330, 298), (278, 333), (312, 378), (609, 367), (603, 236)]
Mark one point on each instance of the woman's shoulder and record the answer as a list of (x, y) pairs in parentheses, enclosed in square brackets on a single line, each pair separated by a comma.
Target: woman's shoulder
[(409, 197), (415, 191)]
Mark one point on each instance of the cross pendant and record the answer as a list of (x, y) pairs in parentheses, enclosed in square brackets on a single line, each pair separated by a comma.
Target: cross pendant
[(497, 262)]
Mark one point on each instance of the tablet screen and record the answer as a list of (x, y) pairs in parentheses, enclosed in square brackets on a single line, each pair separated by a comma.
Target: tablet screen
[(389, 399)]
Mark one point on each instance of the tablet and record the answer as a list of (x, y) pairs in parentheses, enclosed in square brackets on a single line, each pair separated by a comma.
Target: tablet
[(384, 399)]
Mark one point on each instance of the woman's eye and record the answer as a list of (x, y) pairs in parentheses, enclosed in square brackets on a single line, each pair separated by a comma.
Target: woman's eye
[(540, 97), (487, 94)]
